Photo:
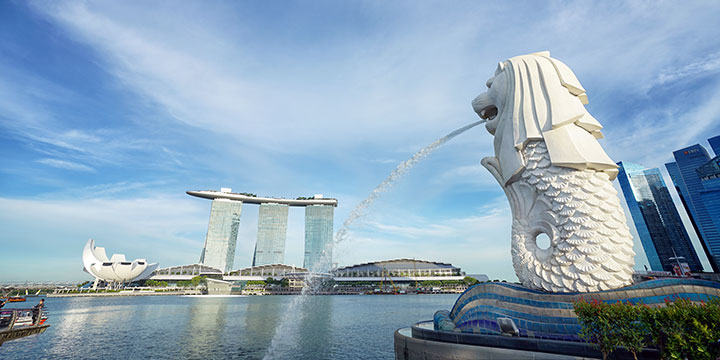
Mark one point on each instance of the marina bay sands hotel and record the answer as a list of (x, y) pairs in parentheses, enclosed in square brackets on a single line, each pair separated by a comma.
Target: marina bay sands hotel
[(221, 239)]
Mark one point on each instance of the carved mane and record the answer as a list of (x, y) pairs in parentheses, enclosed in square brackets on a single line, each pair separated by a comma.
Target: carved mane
[(546, 99)]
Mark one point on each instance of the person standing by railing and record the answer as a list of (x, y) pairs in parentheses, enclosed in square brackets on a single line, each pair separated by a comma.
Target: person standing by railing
[(37, 311)]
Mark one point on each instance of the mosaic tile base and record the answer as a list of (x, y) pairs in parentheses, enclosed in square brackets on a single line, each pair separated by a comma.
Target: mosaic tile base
[(545, 315)]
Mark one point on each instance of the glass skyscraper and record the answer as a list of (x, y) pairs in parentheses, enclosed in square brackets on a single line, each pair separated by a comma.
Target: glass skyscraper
[(715, 144), (318, 234), (710, 178), (221, 239), (684, 173), (271, 235), (656, 219)]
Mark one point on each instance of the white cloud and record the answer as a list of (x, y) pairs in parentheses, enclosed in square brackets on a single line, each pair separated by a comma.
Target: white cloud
[(63, 164), (702, 67)]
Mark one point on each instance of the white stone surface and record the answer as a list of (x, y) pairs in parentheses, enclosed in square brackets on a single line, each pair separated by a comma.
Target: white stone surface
[(116, 269), (557, 178)]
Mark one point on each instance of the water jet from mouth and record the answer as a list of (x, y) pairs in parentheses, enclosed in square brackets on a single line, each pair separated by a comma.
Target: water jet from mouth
[(319, 271)]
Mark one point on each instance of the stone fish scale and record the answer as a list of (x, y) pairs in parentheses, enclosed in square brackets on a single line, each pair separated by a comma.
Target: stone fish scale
[(591, 249)]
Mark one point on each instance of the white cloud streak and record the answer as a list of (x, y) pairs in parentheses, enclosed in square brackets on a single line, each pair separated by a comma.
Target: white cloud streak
[(63, 164)]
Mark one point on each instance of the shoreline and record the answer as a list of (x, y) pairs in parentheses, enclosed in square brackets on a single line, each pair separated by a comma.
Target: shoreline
[(197, 294)]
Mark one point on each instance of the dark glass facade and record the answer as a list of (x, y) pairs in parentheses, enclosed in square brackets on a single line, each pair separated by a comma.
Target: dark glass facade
[(710, 179), (715, 144), (688, 161), (655, 217)]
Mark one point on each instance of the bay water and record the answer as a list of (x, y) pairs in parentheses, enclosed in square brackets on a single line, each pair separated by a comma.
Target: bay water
[(179, 327)]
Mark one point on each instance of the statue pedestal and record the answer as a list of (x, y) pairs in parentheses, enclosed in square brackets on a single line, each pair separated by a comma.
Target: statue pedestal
[(535, 324)]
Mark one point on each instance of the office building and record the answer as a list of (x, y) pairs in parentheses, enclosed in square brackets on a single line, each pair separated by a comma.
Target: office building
[(715, 144), (661, 231), (710, 179), (318, 236), (685, 176)]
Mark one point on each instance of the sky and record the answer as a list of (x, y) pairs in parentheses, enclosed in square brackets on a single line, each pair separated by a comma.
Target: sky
[(110, 111)]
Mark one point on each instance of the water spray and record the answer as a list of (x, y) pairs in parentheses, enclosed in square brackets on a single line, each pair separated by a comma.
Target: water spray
[(395, 175), (321, 267)]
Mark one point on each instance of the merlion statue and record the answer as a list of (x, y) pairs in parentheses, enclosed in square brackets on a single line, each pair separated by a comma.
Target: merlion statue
[(557, 178)]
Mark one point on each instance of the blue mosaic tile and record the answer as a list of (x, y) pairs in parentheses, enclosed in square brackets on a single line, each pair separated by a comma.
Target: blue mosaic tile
[(481, 318)]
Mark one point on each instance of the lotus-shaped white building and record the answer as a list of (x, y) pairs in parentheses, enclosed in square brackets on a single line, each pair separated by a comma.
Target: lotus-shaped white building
[(116, 269)]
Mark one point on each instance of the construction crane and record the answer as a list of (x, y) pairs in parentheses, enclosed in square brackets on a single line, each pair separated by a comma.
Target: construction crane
[(386, 273)]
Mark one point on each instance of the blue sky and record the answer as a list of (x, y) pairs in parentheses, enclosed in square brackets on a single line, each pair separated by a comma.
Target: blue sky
[(110, 111)]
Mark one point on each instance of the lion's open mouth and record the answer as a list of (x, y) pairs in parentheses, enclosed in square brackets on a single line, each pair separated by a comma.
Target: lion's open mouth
[(489, 112)]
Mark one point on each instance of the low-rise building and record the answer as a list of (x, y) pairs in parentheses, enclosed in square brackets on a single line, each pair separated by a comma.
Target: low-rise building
[(399, 270)]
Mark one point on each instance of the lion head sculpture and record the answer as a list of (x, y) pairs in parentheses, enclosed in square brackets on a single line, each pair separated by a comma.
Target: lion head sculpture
[(537, 97)]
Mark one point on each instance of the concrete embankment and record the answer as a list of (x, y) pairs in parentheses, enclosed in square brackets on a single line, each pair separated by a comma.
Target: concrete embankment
[(125, 293)]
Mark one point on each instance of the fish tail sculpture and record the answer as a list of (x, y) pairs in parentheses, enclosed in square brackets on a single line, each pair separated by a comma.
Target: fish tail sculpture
[(557, 178)]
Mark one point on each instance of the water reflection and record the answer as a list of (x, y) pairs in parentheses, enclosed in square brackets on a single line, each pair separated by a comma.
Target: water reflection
[(305, 330), (70, 324), (313, 337), (205, 327)]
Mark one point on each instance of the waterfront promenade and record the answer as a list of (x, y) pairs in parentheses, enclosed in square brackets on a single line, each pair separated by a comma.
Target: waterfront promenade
[(61, 294)]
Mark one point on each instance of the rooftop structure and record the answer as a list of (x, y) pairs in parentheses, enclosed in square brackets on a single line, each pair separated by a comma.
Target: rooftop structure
[(249, 199), (188, 270), (400, 268), (268, 270)]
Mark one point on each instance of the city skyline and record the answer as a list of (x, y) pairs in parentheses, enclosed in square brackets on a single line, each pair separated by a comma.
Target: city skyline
[(109, 112)]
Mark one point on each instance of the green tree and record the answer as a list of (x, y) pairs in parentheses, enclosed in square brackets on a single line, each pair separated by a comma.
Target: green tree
[(630, 332), (680, 330), (683, 329), (155, 283), (198, 280), (597, 327)]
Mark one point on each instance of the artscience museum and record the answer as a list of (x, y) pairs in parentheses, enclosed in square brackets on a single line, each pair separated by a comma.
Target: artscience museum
[(114, 269)]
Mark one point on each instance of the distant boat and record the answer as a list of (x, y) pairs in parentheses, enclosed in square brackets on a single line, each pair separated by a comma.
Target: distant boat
[(16, 299)]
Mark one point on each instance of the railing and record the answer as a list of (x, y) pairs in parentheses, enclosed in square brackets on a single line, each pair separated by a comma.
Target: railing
[(11, 318)]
